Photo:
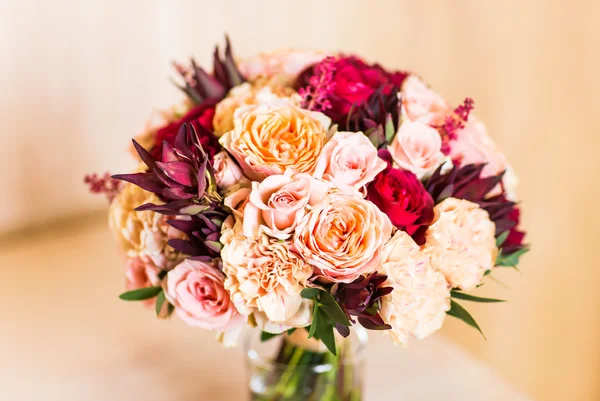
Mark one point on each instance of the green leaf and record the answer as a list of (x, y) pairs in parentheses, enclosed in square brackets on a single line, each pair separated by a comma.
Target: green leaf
[(511, 260), (265, 336), (140, 294), (315, 321), (469, 297), (160, 300), (389, 129), (325, 332), (460, 313), (333, 309), (310, 293), (501, 238)]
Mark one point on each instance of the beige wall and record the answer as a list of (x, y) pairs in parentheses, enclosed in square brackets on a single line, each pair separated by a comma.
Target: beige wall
[(79, 78)]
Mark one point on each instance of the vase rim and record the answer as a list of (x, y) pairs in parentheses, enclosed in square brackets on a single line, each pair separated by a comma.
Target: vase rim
[(254, 357)]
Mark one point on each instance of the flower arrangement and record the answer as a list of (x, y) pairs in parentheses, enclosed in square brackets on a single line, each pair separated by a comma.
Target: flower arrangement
[(313, 191)]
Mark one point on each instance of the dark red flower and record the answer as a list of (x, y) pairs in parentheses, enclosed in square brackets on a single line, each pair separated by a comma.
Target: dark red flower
[(400, 195), (200, 117), (361, 297), (515, 238), (354, 83)]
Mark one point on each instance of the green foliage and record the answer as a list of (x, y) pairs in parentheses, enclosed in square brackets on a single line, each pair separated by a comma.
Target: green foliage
[(141, 294), (511, 260), (460, 313), (326, 313), (160, 300), (473, 298), (501, 238)]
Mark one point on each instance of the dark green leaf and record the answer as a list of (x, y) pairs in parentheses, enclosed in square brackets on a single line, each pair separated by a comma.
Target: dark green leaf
[(140, 294), (333, 309), (469, 297), (325, 332), (160, 300), (310, 293), (291, 331), (264, 336), (315, 321), (460, 313), (501, 238)]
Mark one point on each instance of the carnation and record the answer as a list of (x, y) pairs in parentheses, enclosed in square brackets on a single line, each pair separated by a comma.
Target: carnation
[(461, 243), (417, 305), (265, 278)]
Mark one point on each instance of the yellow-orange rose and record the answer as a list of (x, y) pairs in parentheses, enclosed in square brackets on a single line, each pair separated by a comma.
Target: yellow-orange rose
[(270, 138), (243, 95)]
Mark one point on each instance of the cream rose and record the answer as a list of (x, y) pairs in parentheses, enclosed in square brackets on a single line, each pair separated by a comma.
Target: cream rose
[(461, 243), (349, 158), (196, 290), (265, 279), (343, 237), (420, 298), (227, 173), (417, 148), (420, 102), (282, 66), (144, 233), (268, 139)]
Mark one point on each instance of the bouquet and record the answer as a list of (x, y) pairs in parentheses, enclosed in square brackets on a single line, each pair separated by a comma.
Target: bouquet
[(310, 192)]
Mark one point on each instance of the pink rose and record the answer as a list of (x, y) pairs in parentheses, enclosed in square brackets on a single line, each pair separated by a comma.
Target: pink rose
[(342, 237), (420, 102), (473, 145), (349, 158), (227, 172), (417, 148), (141, 273), (196, 290), (276, 205)]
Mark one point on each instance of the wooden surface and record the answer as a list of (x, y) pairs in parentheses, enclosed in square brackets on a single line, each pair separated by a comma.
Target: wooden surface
[(79, 78), (67, 337)]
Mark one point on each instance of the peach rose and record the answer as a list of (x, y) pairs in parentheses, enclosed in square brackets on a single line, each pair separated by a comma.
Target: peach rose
[(276, 205), (141, 273), (420, 102), (420, 298), (417, 148), (270, 138), (343, 237), (227, 172), (473, 145), (282, 66), (461, 243), (349, 158), (265, 279), (196, 290), (246, 94)]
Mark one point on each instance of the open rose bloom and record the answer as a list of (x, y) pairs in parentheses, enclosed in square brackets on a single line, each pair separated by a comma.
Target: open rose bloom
[(313, 191)]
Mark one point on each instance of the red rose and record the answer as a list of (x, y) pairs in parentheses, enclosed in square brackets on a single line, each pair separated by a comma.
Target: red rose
[(200, 117), (400, 195), (355, 81)]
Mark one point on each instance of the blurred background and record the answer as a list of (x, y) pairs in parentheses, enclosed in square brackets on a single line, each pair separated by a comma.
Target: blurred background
[(79, 79)]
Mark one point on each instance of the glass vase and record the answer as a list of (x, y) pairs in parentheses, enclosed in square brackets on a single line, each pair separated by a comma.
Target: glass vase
[(295, 368)]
